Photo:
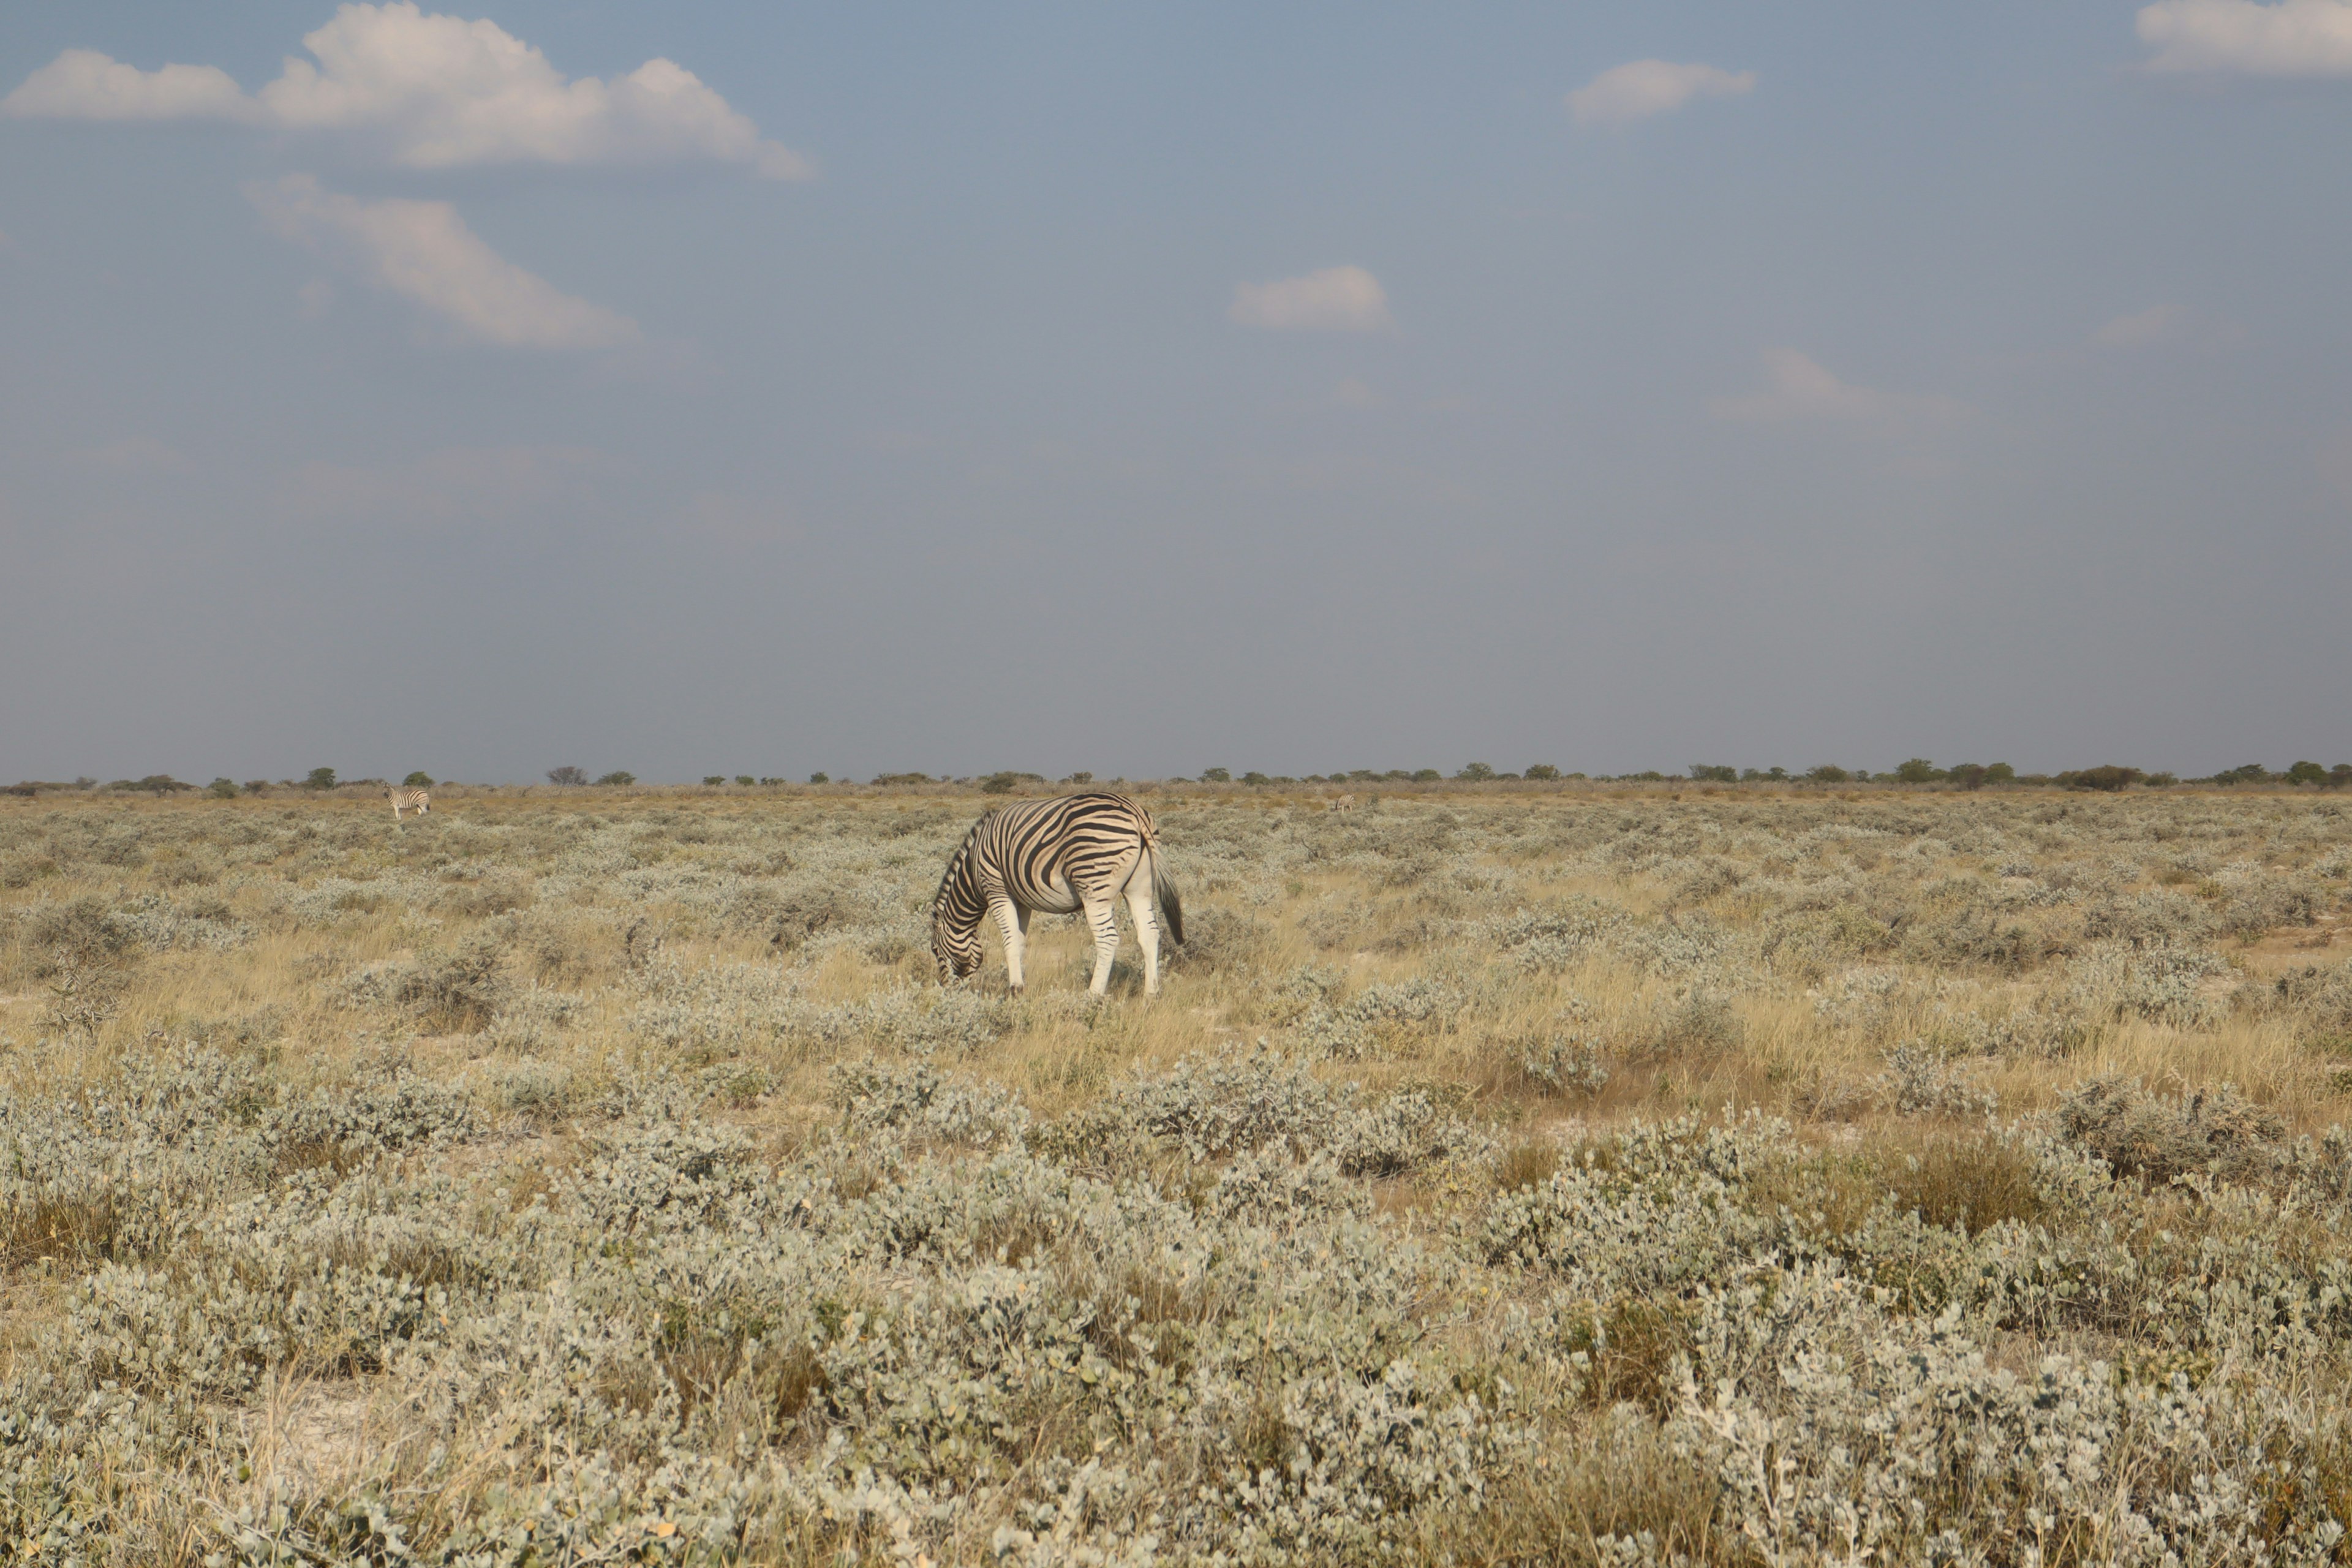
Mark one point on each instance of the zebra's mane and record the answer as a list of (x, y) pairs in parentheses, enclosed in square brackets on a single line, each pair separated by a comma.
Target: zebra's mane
[(959, 869)]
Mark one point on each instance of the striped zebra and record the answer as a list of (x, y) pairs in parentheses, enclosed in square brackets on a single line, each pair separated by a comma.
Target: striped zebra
[(1076, 853), (1341, 803), (402, 799)]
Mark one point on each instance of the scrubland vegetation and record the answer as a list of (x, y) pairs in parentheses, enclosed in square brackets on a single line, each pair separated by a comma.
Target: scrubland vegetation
[(1747, 1176)]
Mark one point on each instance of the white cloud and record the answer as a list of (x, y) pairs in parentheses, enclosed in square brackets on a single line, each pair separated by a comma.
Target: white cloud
[(1335, 299), (2293, 37), (424, 252), (82, 84), (1640, 89), (431, 93), (1799, 389)]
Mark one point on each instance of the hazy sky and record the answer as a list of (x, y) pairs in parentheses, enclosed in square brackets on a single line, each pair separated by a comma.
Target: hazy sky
[(702, 387)]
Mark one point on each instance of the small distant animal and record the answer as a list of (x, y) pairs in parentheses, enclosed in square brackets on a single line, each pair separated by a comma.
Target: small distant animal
[(1072, 853), (1341, 803), (402, 799)]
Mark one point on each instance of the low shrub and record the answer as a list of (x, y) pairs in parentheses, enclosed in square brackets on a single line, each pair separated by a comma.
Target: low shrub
[(2158, 1138)]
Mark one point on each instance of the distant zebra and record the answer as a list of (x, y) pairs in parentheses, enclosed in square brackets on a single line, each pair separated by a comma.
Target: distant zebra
[(1076, 853), (1341, 803), (402, 799)]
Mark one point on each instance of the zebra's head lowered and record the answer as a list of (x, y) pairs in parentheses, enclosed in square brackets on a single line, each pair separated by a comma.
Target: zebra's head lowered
[(954, 945)]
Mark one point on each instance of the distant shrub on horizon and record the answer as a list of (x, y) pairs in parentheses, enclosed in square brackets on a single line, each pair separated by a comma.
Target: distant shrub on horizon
[(2108, 777), (1006, 783), (567, 775), (618, 778), (154, 783)]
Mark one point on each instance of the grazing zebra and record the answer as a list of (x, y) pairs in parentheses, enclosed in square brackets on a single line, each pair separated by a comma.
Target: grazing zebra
[(1341, 803), (1080, 852), (403, 798)]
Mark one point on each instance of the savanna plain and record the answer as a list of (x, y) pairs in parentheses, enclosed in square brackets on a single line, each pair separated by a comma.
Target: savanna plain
[(1596, 1175)]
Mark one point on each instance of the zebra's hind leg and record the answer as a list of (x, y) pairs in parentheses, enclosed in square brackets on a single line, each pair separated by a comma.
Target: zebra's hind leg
[(1147, 925), (1102, 916)]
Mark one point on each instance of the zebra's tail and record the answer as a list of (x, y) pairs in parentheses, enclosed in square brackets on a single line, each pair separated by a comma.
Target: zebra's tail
[(1171, 908)]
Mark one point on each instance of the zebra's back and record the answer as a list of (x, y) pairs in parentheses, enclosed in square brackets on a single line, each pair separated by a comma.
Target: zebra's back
[(1047, 852), (409, 800)]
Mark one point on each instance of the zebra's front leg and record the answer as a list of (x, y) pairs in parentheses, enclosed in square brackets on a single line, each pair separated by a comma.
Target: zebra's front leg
[(1013, 922), (1103, 916)]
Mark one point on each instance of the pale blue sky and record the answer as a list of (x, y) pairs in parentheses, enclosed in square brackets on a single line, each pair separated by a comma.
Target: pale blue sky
[(1295, 387)]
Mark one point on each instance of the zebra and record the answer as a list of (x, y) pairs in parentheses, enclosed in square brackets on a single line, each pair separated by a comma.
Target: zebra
[(1075, 853), (1341, 803), (402, 799)]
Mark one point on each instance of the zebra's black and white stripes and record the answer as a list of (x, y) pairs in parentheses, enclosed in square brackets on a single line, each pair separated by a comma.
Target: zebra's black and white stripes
[(1076, 853), (402, 799)]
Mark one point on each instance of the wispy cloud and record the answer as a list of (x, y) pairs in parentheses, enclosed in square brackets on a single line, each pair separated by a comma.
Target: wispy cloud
[(453, 485), (130, 454), (424, 252), (1334, 299), (1798, 389), (2169, 325), (428, 92), (2153, 325), (2291, 38), (1640, 89)]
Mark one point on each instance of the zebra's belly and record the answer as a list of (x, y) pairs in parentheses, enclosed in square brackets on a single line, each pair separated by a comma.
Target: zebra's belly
[(1053, 898)]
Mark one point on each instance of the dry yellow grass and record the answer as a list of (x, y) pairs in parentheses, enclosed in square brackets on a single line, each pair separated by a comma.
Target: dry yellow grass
[(1547, 970)]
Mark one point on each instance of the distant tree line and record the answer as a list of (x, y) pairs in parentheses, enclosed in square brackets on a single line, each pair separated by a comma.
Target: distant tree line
[(1914, 771)]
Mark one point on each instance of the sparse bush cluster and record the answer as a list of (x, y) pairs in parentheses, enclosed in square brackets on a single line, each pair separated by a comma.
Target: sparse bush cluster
[(1940, 1174)]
